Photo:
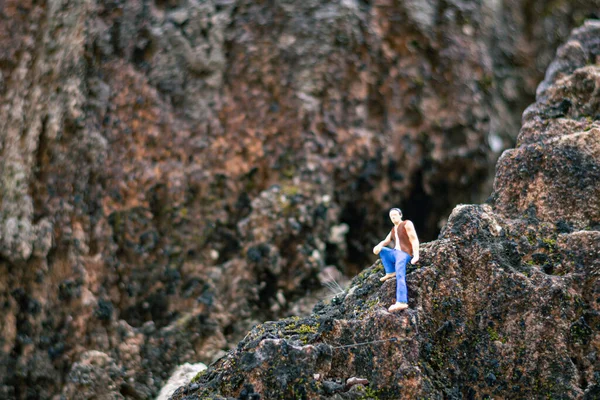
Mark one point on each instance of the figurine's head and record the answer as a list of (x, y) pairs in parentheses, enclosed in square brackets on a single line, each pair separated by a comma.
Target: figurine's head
[(396, 215)]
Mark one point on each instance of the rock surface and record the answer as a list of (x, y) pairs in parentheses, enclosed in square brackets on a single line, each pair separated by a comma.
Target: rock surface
[(504, 304), (182, 375), (174, 171)]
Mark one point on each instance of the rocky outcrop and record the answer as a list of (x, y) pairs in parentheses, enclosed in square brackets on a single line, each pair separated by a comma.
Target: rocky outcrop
[(560, 185), (504, 304), (173, 172)]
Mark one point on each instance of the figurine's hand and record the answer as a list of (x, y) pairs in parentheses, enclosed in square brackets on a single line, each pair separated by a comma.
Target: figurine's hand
[(415, 259), (377, 249)]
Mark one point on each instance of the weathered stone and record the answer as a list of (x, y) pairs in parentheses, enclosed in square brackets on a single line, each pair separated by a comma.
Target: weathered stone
[(173, 172), (504, 304)]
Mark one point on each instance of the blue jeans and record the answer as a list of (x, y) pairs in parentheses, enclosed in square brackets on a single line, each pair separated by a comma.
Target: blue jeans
[(395, 261)]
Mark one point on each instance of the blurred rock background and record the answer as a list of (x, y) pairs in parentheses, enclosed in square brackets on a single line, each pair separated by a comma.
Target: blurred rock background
[(174, 171)]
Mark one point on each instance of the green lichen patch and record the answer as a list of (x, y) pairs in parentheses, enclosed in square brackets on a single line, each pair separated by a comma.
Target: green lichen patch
[(198, 376)]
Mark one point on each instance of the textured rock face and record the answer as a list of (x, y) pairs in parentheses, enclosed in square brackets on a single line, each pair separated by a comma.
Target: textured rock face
[(560, 185), (174, 171), (503, 305)]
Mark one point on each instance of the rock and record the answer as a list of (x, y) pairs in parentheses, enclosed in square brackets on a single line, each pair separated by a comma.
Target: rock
[(330, 387), (485, 318), (172, 173), (95, 375), (179, 16), (182, 375), (356, 381)]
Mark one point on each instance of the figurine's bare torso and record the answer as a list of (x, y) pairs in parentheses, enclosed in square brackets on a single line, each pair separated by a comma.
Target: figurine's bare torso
[(396, 239)]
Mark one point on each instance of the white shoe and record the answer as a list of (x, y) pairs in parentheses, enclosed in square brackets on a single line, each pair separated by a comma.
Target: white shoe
[(387, 276), (398, 307)]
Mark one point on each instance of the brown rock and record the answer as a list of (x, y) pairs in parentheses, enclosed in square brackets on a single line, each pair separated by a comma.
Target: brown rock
[(171, 171), (503, 304)]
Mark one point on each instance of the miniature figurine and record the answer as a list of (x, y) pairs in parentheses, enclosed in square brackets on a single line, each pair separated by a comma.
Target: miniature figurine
[(406, 248)]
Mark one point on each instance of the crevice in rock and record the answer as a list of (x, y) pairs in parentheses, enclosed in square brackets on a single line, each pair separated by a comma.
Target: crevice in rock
[(354, 216), (413, 209), (38, 182), (152, 308), (580, 372), (268, 291), (143, 51), (167, 4)]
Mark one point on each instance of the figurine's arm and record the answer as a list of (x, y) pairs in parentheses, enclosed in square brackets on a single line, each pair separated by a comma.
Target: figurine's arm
[(383, 243), (414, 241)]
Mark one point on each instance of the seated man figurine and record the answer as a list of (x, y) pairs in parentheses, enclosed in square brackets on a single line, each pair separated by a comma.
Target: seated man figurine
[(406, 246)]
